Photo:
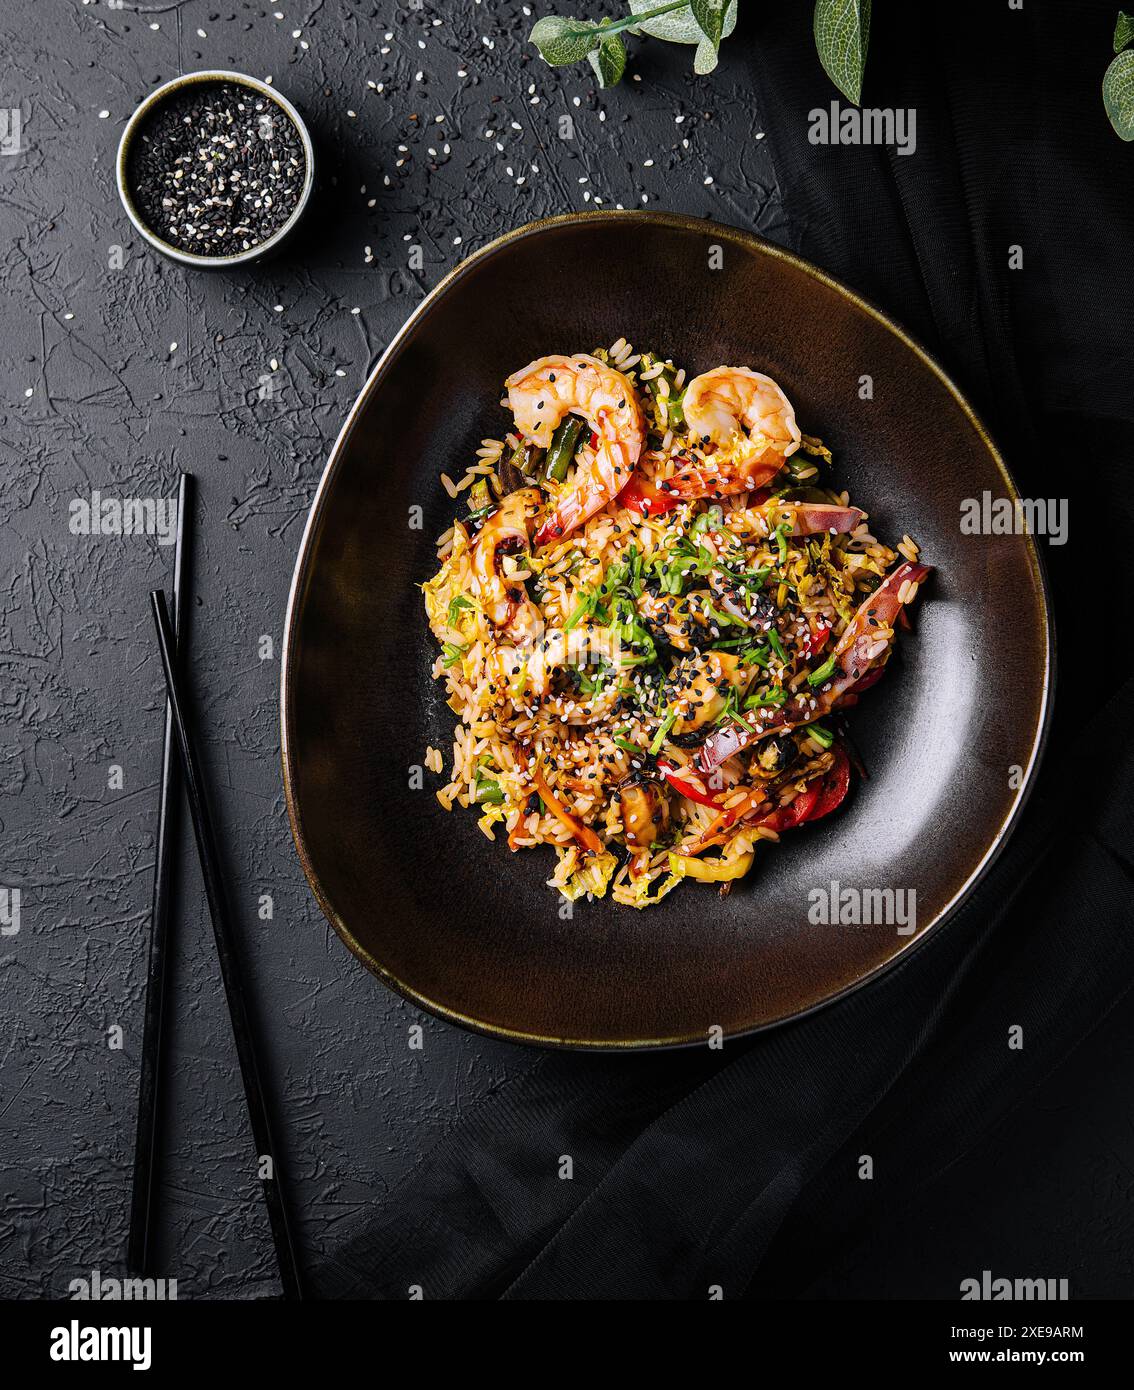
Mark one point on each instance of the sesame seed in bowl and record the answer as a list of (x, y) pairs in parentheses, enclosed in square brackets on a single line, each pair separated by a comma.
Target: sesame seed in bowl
[(215, 169)]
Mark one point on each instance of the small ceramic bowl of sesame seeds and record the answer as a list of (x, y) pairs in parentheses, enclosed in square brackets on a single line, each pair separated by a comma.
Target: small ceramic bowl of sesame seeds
[(215, 169)]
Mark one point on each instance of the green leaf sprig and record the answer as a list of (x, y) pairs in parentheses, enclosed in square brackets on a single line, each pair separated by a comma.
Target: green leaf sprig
[(562, 40), (842, 33), (1118, 81)]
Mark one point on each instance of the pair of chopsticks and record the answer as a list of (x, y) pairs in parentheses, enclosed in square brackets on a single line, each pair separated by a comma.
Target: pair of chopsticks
[(177, 730)]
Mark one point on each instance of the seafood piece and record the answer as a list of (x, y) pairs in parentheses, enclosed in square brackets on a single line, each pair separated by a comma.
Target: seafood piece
[(749, 420), (857, 660), (644, 811), (797, 519), (505, 601), (698, 690), (680, 621), (545, 391)]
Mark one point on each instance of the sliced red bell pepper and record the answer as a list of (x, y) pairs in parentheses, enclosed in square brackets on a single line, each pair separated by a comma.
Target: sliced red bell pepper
[(795, 812), (816, 638), (679, 784), (643, 496), (833, 786), (818, 798)]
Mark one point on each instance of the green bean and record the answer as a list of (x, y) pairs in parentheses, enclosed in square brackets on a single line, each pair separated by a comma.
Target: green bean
[(564, 442)]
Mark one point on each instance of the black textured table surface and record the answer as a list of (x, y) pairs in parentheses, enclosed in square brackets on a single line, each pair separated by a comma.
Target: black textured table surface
[(437, 128)]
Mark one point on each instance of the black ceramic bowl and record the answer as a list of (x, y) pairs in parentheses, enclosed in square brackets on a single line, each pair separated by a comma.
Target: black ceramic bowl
[(467, 929)]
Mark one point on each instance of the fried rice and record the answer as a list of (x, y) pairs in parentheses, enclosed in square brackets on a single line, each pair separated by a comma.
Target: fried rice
[(659, 689)]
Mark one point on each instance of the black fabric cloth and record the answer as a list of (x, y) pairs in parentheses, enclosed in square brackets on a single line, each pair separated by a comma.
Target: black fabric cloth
[(687, 1165)]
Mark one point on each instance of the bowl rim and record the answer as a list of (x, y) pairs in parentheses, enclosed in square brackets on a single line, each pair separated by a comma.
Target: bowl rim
[(149, 104), (750, 241)]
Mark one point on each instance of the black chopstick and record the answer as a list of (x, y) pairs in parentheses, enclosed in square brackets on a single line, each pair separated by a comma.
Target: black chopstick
[(143, 1198), (229, 956)]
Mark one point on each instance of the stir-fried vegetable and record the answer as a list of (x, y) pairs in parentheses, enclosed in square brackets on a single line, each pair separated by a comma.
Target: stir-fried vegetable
[(564, 442), (583, 833), (860, 653)]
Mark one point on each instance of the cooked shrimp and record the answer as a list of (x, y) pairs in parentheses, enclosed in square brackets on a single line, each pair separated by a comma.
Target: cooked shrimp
[(543, 393), (505, 601), (749, 420)]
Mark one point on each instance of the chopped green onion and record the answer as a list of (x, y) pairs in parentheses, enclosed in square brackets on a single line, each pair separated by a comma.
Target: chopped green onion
[(455, 606), (625, 744), (452, 652), (777, 646), (779, 535), (770, 699), (821, 735), (710, 520), (659, 738), (822, 673), (489, 793), (721, 619), (585, 607)]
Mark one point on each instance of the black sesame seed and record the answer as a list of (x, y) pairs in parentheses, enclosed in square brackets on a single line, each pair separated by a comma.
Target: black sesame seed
[(217, 169)]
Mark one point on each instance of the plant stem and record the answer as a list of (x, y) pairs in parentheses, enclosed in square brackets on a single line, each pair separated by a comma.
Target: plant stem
[(631, 21)]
